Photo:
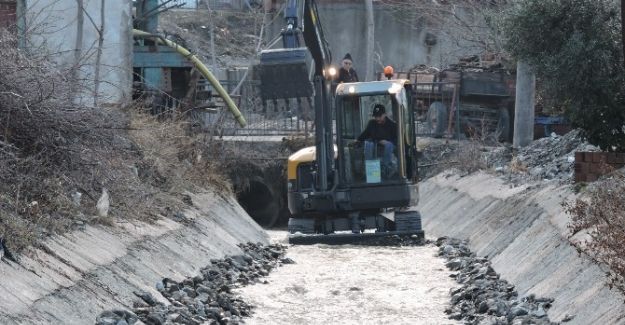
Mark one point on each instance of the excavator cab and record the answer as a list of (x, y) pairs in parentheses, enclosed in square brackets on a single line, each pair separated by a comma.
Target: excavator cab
[(370, 193)]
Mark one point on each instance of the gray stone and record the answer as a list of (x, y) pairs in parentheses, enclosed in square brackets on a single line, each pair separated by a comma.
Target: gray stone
[(455, 264), (483, 307), (538, 313), (287, 260), (106, 321), (568, 318)]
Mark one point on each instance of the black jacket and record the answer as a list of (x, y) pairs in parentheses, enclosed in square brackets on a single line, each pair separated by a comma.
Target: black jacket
[(347, 76), (376, 132)]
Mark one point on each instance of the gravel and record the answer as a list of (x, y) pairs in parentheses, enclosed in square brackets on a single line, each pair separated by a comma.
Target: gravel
[(483, 297), (354, 284), (549, 158), (207, 298), (546, 159)]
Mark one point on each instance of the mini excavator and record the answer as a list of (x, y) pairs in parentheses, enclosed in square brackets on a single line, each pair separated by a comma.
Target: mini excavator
[(338, 192)]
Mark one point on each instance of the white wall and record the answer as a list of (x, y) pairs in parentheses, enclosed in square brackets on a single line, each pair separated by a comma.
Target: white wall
[(396, 43), (52, 27)]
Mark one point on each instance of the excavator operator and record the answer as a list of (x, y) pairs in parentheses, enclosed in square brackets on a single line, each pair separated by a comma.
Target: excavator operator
[(380, 130)]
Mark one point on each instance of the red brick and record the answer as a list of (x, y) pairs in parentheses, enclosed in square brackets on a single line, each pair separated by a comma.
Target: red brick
[(620, 158), (591, 177), (581, 168), (579, 157), (598, 157), (580, 178), (595, 168)]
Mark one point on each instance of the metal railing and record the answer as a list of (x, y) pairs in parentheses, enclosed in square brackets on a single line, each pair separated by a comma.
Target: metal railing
[(272, 118), (437, 109)]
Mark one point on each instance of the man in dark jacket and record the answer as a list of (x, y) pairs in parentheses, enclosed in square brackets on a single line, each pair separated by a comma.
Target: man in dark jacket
[(383, 131), (347, 72)]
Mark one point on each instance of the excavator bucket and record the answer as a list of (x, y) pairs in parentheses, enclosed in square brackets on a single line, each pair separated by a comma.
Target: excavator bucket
[(284, 74)]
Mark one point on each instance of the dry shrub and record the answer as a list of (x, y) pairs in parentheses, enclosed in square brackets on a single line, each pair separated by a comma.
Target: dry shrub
[(517, 166), (601, 215), (50, 149), (471, 156), (177, 160)]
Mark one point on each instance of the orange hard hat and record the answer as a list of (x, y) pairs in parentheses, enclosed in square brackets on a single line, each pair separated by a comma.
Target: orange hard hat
[(388, 71)]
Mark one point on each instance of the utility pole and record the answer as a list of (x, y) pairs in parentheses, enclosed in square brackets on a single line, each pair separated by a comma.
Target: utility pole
[(370, 40), (524, 105)]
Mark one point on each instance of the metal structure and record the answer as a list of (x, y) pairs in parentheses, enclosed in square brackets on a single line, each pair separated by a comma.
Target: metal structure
[(456, 103), (158, 69), (293, 119)]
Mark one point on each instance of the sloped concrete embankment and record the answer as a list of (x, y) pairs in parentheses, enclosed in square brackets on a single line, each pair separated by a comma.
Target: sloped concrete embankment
[(523, 232), (71, 279)]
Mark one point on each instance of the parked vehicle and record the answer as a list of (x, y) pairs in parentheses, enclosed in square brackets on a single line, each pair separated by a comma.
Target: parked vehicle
[(467, 102)]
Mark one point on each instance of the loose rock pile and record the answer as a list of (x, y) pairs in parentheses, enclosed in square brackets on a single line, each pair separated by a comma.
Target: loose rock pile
[(206, 298), (483, 298), (547, 158)]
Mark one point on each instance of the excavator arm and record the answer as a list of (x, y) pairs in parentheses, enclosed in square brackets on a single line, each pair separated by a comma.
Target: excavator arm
[(284, 75)]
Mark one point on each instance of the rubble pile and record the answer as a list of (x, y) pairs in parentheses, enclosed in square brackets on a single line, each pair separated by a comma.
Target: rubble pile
[(435, 156), (483, 298), (206, 298), (549, 158)]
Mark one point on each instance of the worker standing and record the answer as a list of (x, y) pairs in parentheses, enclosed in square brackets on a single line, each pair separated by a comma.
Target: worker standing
[(347, 72)]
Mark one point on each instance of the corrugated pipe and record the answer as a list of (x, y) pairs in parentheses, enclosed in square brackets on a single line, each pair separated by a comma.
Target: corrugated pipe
[(203, 70)]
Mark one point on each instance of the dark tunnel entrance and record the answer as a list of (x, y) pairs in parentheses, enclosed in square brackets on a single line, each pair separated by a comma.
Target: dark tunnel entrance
[(260, 203)]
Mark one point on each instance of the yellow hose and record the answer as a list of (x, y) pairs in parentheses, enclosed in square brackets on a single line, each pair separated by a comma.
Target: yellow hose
[(203, 70)]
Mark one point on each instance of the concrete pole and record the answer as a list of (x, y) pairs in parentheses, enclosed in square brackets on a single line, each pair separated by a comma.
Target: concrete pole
[(369, 73), (524, 106)]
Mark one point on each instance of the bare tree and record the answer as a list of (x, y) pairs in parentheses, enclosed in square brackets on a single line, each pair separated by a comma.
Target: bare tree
[(469, 25), (98, 61), (623, 28)]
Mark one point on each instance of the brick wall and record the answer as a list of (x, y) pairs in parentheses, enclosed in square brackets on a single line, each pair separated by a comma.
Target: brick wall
[(589, 166), (7, 13)]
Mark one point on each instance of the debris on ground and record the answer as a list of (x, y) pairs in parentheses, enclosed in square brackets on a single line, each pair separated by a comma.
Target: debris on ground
[(549, 158), (483, 297), (206, 298), (236, 33)]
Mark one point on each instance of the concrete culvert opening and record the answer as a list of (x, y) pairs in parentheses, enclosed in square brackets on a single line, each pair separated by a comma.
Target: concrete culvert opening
[(260, 203)]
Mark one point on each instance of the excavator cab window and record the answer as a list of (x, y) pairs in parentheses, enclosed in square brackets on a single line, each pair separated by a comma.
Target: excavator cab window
[(368, 162)]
